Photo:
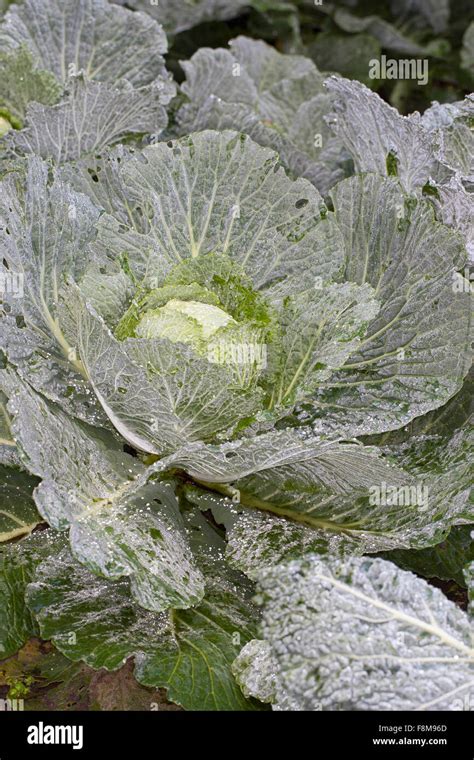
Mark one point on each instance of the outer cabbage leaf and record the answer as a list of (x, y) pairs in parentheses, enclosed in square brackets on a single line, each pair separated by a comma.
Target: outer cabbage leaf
[(104, 41), (18, 513), (254, 670), (451, 123), (454, 206), (223, 193), (417, 351), (18, 562), (280, 499), (118, 524), (43, 224), (445, 560), (278, 100), (319, 331), (368, 636), (91, 116), (333, 464), (187, 652), (22, 82), (8, 451), (373, 131), (209, 192)]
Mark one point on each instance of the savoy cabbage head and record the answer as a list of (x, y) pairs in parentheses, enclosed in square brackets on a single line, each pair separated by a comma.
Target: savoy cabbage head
[(236, 341)]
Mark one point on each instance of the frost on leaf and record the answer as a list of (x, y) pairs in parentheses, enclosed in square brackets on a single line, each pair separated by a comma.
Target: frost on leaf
[(187, 652), (105, 42), (278, 100), (368, 636), (118, 524)]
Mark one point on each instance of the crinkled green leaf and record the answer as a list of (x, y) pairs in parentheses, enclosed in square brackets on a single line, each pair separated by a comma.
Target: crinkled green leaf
[(320, 330), (18, 513), (234, 460), (451, 123), (187, 652), (8, 450), (367, 636), (254, 670), (223, 193), (104, 41), (278, 100), (454, 206), (90, 117), (372, 130), (43, 224), (284, 498), (119, 525), (22, 82), (417, 351)]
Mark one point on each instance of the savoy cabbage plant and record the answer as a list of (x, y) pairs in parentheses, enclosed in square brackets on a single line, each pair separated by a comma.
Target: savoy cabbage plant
[(235, 367)]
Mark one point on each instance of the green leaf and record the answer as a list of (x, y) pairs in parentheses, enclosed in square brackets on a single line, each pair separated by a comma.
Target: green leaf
[(42, 226), (368, 636), (18, 514), (280, 497), (91, 116), (451, 125), (445, 560), (104, 41), (22, 82), (454, 206), (371, 130), (417, 351), (8, 451), (189, 653), (320, 330), (278, 100), (254, 670), (119, 525), (17, 565), (220, 192)]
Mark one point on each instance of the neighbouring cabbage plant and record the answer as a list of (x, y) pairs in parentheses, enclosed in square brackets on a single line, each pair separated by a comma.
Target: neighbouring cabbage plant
[(235, 370)]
